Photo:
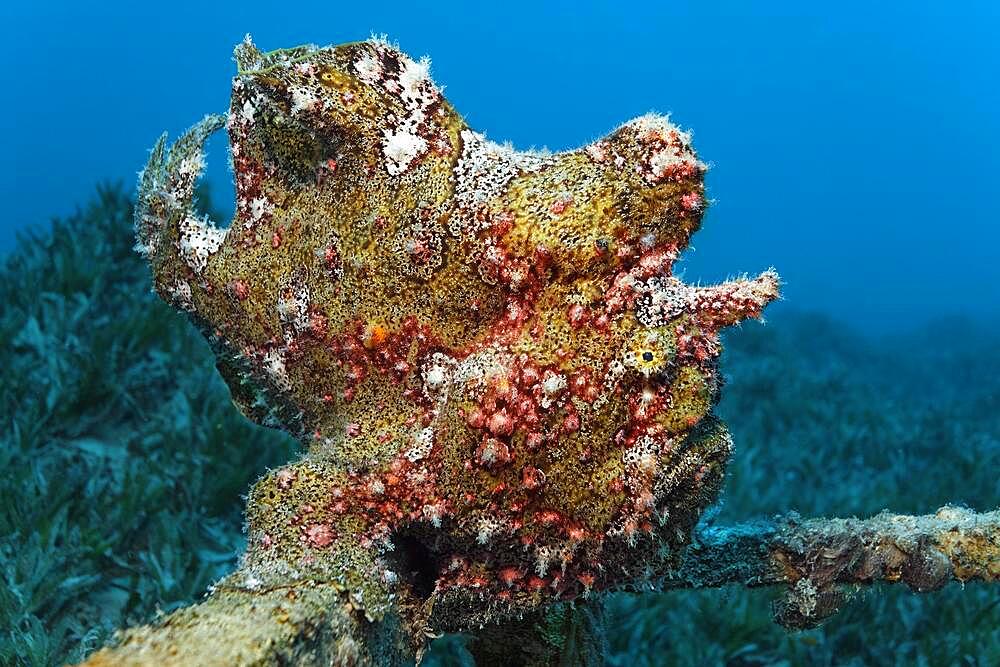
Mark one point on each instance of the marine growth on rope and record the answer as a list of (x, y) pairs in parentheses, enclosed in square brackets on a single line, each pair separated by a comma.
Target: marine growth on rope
[(504, 393)]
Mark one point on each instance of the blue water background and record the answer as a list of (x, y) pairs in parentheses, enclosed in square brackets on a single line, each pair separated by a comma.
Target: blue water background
[(855, 145)]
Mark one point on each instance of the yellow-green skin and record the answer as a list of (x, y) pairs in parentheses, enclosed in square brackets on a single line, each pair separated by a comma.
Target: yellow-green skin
[(505, 395)]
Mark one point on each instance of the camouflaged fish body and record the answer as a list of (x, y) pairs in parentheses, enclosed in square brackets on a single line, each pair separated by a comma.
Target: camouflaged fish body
[(504, 392)]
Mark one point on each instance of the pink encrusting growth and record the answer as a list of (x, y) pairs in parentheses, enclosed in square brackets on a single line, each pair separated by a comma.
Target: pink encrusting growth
[(505, 392)]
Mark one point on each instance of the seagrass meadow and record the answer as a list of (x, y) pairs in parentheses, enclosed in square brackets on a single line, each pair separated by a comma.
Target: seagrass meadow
[(125, 463)]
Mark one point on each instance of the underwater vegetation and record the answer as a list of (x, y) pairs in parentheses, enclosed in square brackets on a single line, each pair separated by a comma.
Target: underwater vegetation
[(446, 445), (124, 460)]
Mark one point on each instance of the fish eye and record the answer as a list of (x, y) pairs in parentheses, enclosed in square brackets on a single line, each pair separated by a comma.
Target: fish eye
[(650, 352)]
